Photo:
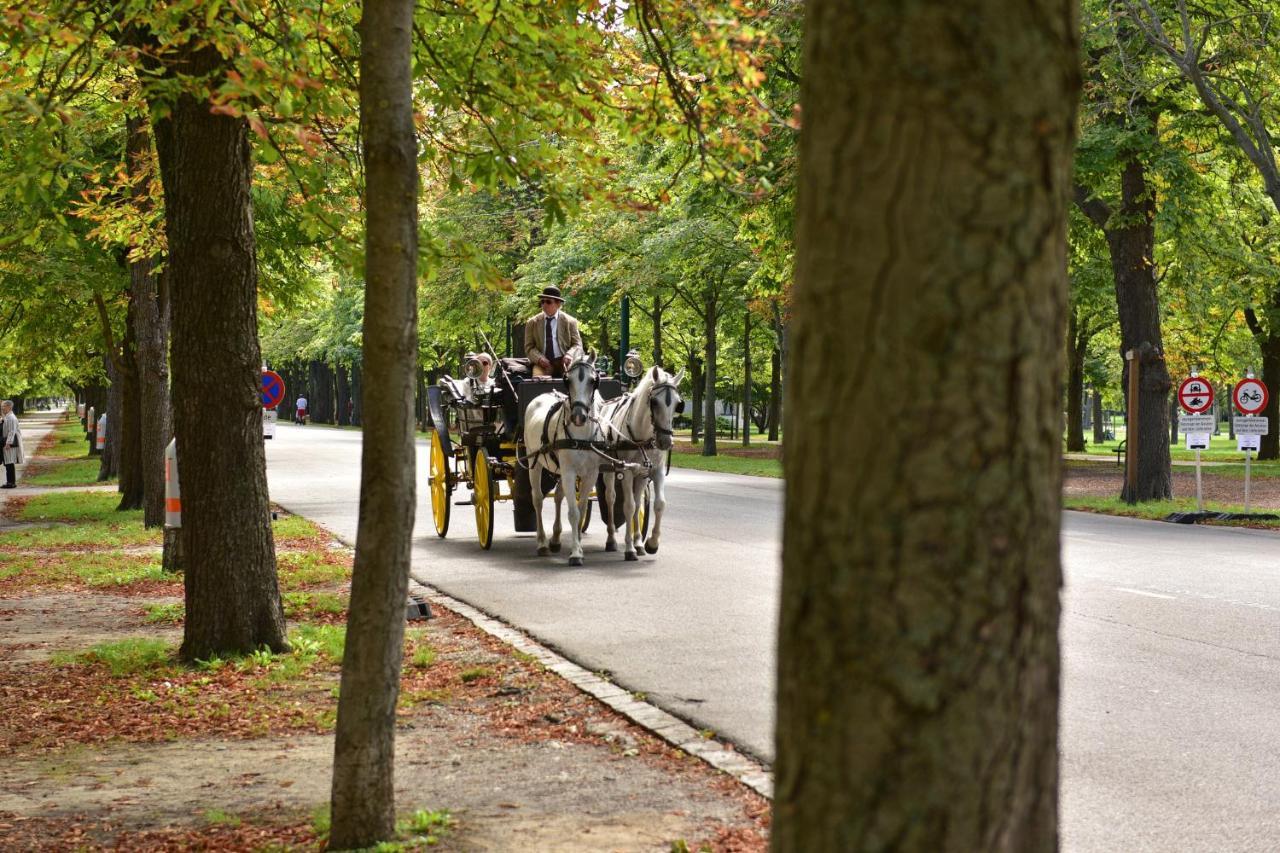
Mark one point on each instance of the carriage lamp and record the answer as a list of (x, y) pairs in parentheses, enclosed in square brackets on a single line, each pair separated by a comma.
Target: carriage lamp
[(633, 366), (473, 367)]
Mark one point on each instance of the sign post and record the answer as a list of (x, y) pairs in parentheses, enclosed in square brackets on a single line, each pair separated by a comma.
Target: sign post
[(1195, 396), (1250, 397)]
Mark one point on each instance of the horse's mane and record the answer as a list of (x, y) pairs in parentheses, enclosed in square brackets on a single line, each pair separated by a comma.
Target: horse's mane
[(647, 381)]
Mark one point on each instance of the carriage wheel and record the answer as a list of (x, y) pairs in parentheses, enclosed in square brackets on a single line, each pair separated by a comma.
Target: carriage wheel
[(482, 497), (441, 488), (642, 511)]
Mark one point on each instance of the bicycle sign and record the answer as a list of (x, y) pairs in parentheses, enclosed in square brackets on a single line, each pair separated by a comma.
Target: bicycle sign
[(1250, 396), (1195, 395)]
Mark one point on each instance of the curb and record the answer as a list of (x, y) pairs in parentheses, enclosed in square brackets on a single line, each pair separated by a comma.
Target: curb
[(650, 717)]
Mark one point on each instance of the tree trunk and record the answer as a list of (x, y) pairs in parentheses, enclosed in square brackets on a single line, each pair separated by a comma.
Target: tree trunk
[(1077, 346), (344, 396), (709, 378), (1099, 428), (109, 463), (775, 392), (657, 330), (127, 431), (695, 418), (232, 593), (356, 413), (363, 797), (1173, 421), (151, 331), (746, 381), (1131, 242), (1268, 340), (918, 664)]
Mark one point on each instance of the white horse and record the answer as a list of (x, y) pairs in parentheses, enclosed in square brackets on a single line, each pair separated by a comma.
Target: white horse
[(642, 422), (557, 419)]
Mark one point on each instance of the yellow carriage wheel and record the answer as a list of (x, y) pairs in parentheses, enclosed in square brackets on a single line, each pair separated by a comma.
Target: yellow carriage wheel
[(483, 498), (438, 480), (642, 512)]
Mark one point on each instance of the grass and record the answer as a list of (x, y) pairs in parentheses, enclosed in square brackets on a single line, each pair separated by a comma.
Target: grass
[(217, 817), (79, 508), (130, 656), (74, 472), (303, 569), (166, 614), (1158, 510), (423, 656), (728, 464), (95, 569), (1221, 449), (300, 604), (69, 442), (475, 674)]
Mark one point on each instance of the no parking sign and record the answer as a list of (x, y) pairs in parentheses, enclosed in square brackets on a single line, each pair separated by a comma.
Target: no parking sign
[(272, 389)]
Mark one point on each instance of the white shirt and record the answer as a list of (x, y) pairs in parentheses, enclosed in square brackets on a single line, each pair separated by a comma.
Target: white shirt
[(302, 403)]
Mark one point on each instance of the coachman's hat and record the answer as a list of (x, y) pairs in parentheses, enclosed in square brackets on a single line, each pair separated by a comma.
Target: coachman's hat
[(551, 292)]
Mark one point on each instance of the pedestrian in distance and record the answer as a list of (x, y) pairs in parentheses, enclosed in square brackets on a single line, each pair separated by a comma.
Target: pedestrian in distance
[(11, 443), (300, 411), (551, 337)]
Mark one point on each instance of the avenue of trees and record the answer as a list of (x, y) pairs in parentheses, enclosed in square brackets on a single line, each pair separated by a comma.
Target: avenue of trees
[(1008, 196)]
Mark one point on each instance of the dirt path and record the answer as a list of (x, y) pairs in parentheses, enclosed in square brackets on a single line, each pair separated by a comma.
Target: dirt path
[(1105, 481)]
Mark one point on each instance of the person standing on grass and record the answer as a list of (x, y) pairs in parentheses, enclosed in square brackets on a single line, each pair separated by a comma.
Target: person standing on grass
[(11, 442)]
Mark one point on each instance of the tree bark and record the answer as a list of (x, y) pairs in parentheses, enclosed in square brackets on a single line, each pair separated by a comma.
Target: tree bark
[(151, 331), (344, 396), (1268, 340), (356, 412), (710, 354), (109, 463), (657, 330), (746, 382), (695, 418), (232, 594), (363, 797), (918, 664), (126, 432), (1078, 335), (1099, 428), (775, 392), (1131, 243)]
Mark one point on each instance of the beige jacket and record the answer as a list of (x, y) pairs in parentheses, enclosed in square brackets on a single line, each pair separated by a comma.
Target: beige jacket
[(567, 335)]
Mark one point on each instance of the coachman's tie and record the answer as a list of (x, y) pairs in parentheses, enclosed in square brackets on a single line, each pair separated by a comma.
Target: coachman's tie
[(551, 341)]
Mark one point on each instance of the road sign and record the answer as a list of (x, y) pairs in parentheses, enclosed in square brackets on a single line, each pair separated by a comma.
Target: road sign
[(1198, 441), (1195, 395), (1250, 426), (1250, 396), (272, 389), (1248, 442), (1195, 424), (269, 418)]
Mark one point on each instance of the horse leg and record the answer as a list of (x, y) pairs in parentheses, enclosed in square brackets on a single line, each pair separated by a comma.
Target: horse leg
[(610, 493), (570, 475), (629, 516), (555, 528), (535, 485), (659, 477)]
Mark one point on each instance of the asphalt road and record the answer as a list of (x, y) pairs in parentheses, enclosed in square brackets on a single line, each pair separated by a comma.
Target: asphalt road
[(1170, 730)]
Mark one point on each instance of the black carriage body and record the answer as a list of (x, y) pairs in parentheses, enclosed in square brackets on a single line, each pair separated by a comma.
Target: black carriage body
[(493, 422)]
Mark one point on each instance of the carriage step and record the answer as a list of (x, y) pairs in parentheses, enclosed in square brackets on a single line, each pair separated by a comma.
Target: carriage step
[(467, 502)]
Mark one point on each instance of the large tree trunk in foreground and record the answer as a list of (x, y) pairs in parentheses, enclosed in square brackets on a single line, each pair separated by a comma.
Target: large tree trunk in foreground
[(918, 660), (363, 798), (151, 331), (232, 594)]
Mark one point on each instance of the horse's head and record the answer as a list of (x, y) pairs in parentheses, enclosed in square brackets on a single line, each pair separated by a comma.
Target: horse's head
[(581, 383), (665, 403)]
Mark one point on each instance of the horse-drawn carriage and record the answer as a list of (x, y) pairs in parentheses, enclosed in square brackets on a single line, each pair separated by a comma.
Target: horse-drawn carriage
[(512, 436)]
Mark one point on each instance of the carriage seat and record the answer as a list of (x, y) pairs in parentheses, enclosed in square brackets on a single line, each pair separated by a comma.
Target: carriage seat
[(517, 366)]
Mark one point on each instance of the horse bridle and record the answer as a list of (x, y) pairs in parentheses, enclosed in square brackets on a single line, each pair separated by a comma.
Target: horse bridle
[(594, 380)]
